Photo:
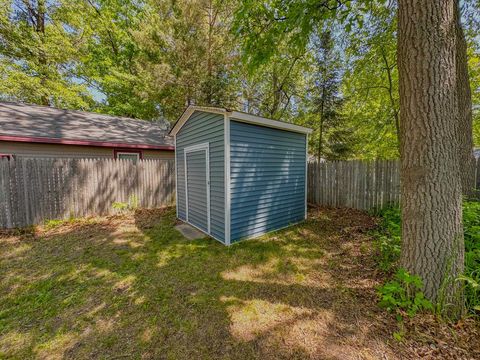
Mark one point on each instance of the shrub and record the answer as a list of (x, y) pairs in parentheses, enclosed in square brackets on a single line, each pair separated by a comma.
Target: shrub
[(471, 278), (120, 206), (403, 295), (124, 207), (388, 239)]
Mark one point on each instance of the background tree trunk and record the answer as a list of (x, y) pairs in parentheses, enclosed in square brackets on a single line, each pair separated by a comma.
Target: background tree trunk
[(396, 116), (42, 58), (320, 125), (464, 103), (432, 235)]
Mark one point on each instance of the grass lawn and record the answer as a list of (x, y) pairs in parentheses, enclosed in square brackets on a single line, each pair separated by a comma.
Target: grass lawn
[(132, 287)]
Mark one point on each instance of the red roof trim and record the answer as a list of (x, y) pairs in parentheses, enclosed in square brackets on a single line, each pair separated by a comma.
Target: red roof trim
[(84, 143)]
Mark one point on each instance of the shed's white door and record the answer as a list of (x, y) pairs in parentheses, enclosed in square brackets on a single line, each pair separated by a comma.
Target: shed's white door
[(197, 185)]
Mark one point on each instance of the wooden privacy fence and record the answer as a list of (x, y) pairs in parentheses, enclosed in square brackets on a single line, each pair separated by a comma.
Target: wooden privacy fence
[(34, 190), (357, 184)]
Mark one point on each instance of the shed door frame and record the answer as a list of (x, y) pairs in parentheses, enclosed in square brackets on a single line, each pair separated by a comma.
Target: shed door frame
[(194, 148)]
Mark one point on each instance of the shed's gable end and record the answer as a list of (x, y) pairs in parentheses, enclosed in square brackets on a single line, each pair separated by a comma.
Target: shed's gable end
[(204, 128)]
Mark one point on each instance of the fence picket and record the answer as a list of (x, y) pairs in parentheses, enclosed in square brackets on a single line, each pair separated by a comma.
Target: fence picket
[(356, 183), (35, 190)]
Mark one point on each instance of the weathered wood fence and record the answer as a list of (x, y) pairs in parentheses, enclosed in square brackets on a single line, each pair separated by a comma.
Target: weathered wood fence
[(357, 184), (34, 190)]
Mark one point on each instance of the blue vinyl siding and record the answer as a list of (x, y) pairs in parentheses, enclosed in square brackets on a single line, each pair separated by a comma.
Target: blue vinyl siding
[(203, 127), (267, 172)]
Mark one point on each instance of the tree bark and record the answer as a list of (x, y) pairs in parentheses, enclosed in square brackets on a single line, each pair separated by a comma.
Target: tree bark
[(211, 24), (321, 122), (432, 234), (42, 58), (275, 92), (396, 117), (464, 113)]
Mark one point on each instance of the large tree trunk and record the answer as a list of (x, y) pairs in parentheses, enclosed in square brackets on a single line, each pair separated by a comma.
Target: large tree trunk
[(464, 103), (432, 233)]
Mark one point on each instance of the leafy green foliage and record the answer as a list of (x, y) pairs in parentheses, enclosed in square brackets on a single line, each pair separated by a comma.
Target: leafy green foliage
[(120, 206), (187, 55), (471, 22), (55, 223), (474, 72), (149, 59), (332, 138), (262, 25), (131, 205), (403, 295), (471, 278), (38, 53), (275, 88), (388, 240), (370, 86), (51, 224), (109, 57)]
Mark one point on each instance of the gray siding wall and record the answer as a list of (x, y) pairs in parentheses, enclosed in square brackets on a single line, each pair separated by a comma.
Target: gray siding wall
[(204, 127), (267, 179), (62, 151)]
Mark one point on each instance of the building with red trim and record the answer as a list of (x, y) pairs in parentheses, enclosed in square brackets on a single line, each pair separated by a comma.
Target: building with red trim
[(35, 131)]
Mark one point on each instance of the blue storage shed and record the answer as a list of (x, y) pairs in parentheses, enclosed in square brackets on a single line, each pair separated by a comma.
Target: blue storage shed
[(239, 175)]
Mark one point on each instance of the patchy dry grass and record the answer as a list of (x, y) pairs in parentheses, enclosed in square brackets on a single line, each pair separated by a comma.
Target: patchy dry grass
[(133, 287)]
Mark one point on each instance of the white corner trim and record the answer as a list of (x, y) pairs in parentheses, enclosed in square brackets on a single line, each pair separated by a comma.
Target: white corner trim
[(258, 120), (207, 151), (306, 174), (199, 147), (176, 174), (186, 183), (189, 111), (226, 155)]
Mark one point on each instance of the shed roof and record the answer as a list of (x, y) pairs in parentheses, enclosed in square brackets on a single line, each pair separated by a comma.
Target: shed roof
[(240, 116), (43, 124)]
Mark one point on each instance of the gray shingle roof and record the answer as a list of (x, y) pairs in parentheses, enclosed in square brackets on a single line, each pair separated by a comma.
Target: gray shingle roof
[(22, 120)]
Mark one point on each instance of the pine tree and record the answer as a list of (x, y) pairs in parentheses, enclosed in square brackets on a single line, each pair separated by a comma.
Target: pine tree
[(331, 136)]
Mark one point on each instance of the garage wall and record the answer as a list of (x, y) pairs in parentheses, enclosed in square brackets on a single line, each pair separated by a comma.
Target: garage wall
[(37, 150), (158, 155), (33, 150)]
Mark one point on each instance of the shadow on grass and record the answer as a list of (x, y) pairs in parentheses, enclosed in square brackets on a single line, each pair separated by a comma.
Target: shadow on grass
[(135, 288)]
